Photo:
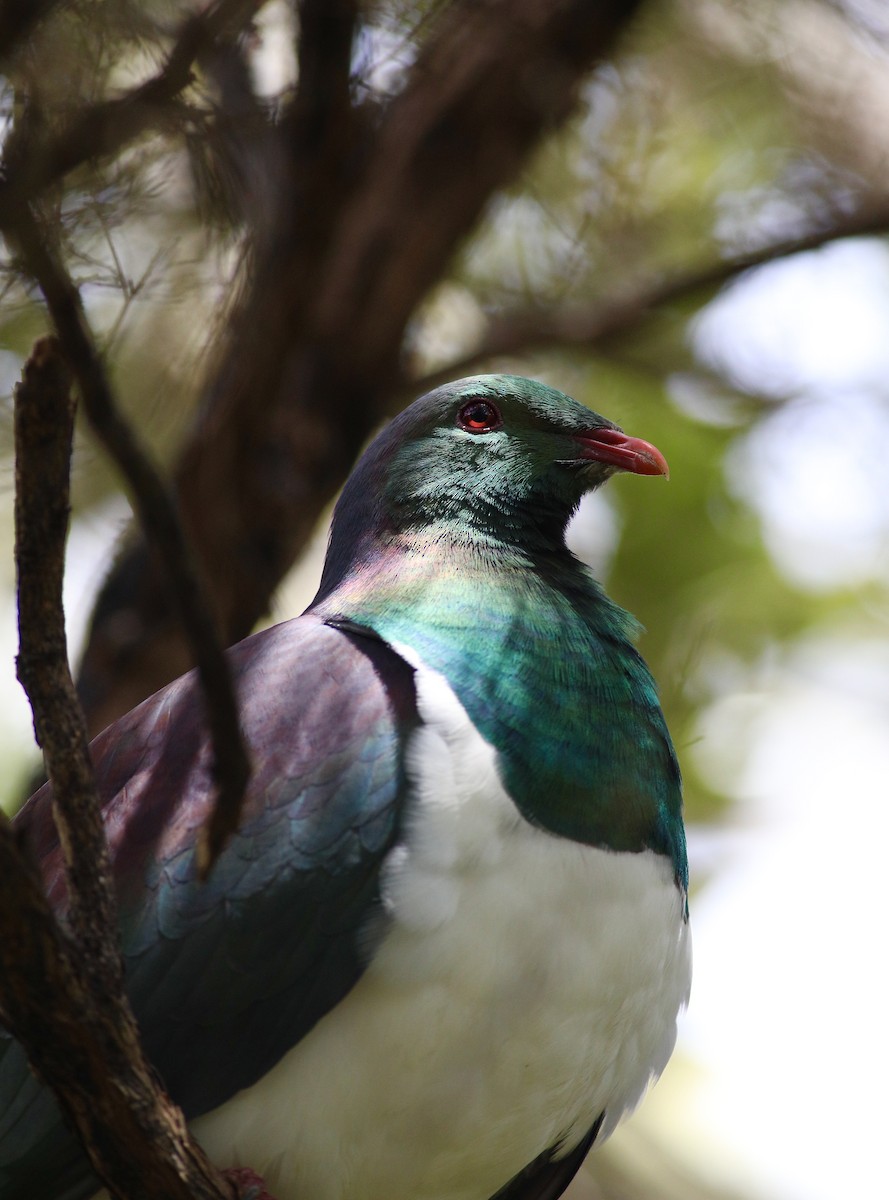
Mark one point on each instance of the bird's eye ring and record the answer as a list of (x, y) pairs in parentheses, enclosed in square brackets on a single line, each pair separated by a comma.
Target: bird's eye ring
[(479, 416)]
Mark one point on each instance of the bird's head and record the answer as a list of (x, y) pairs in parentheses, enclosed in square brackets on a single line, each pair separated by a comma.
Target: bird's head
[(489, 460)]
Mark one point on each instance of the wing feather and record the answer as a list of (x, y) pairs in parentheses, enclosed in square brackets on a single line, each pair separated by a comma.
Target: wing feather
[(547, 1177), (225, 977)]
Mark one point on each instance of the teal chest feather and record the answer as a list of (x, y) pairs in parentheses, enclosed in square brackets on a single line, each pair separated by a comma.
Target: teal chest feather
[(598, 765)]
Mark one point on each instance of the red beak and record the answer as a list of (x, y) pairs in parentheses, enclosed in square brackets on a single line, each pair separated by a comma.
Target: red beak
[(626, 453)]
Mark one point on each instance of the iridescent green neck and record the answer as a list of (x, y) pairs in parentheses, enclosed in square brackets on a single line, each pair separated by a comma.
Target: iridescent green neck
[(530, 642)]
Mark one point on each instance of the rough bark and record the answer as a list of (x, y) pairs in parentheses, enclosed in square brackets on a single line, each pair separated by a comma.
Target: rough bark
[(62, 992)]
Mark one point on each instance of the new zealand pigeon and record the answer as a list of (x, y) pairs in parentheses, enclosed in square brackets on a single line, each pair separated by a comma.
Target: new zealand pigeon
[(446, 949)]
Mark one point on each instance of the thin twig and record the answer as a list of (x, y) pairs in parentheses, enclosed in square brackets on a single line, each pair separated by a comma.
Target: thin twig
[(101, 129), (157, 513), (594, 326)]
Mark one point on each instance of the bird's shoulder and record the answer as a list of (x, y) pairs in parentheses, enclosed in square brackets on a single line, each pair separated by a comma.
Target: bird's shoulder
[(248, 961)]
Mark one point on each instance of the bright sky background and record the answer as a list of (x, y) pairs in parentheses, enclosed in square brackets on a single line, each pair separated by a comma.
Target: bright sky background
[(791, 995), (788, 1025)]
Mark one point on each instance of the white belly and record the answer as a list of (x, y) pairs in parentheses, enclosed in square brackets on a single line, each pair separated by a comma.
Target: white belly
[(523, 986)]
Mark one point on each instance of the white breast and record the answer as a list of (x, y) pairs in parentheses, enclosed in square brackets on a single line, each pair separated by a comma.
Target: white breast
[(524, 984)]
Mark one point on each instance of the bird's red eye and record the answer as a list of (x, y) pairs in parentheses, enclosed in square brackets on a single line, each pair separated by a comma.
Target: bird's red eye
[(479, 416)]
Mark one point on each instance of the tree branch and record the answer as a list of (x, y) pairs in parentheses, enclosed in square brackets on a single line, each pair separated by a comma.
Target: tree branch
[(285, 413), (17, 19), (326, 32), (157, 514), (44, 429), (594, 326), (136, 1138), (62, 992), (30, 165), (483, 91), (235, 149)]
